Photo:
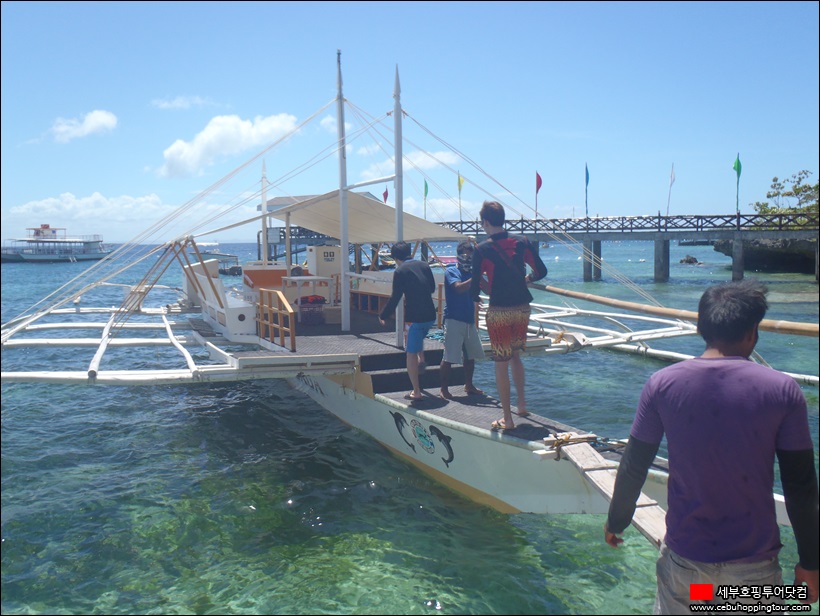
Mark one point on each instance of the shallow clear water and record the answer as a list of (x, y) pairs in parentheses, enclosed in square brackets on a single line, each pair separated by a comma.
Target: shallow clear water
[(248, 498)]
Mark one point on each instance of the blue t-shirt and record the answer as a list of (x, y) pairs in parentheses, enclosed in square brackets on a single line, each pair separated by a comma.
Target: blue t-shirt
[(723, 419), (459, 306)]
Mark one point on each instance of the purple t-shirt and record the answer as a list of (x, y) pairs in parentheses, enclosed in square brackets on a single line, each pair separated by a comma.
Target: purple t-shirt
[(723, 419)]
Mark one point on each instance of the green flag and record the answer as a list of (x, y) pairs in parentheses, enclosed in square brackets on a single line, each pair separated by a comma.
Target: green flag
[(737, 167), (425, 189)]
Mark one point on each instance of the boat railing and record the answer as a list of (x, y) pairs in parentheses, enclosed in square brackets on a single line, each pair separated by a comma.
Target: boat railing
[(365, 287), (276, 318)]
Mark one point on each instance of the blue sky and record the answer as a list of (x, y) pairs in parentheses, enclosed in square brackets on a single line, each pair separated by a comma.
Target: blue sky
[(116, 113)]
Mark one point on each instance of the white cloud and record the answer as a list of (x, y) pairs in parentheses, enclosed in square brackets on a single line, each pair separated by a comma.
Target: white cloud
[(180, 102), (118, 219), (415, 160), (432, 160), (329, 124), (369, 150), (223, 136), (97, 121), (95, 207)]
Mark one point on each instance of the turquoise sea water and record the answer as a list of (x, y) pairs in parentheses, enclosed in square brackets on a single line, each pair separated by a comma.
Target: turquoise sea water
[(248, 498)]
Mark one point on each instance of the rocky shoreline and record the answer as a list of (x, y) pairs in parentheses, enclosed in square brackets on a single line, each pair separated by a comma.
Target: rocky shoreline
[(795, 256)]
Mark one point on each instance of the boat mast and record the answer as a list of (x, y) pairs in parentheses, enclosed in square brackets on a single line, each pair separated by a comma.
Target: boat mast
[(397, 182), (344, 279), (398, 185), (264, 254)]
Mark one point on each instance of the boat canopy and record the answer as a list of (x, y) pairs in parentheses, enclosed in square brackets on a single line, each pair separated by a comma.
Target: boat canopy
[(369, 220)]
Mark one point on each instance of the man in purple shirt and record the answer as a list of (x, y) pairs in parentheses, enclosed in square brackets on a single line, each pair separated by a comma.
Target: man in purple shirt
[(725, 418)]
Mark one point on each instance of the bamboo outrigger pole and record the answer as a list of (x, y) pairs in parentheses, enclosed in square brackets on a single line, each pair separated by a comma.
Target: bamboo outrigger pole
[(769, 325)]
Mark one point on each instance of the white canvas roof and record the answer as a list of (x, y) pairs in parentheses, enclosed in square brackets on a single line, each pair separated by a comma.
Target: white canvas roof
[(369, 220)]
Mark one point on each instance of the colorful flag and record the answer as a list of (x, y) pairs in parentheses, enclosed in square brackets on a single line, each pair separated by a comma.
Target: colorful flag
[(586, 169), (586, 191), (537, 182), (425, 189), (385, 194), (671, 181), (737, 167), (460, 182)]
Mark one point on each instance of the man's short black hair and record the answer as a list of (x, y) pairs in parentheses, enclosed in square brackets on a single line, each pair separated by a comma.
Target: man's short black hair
[(400, 251), (464, 247), (728, 311)]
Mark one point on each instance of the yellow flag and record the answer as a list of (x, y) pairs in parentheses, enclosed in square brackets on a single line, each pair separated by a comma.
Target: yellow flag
[(460, 182)]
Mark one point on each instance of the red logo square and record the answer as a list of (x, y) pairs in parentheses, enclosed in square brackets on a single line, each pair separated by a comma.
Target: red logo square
[(701, 592)]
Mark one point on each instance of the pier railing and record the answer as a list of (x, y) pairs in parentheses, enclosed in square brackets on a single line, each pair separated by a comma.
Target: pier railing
[(798, 222), (802, 221)]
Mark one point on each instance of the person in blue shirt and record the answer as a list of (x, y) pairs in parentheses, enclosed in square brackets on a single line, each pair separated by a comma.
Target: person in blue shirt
[(462, 344)]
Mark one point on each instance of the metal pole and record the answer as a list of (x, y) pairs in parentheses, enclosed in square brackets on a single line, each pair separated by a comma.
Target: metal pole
[(344, 275)]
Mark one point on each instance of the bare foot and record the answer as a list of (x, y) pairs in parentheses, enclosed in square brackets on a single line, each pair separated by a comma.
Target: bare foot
[(445, 393), (473, 391), (523, 413), (500, 425)]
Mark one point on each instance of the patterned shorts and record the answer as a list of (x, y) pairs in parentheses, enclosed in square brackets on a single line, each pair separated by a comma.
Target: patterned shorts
[(507, 327)]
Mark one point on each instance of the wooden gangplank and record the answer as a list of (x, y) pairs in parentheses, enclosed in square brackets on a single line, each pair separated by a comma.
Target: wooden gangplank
[(649, 517)]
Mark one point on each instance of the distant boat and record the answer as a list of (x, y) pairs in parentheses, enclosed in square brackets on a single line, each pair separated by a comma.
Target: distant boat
[(47, 244), (696, 242), (228, 264)]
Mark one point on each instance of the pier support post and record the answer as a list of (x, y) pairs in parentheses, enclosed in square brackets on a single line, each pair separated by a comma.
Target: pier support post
[(661, 260), (357, 258), (596, 260), (592, 260), (737, 258)]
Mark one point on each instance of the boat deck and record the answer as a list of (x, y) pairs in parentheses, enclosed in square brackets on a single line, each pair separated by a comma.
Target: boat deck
[(481, 411), (379, 353), (376, 346)]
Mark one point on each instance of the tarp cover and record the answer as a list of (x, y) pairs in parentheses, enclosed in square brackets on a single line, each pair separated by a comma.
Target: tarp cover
[(369, 221)]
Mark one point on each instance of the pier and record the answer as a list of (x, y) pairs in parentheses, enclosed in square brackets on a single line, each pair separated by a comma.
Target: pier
[(592, 232)]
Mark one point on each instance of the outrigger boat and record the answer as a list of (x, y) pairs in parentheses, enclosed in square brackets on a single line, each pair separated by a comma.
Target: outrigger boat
[(317, 328)]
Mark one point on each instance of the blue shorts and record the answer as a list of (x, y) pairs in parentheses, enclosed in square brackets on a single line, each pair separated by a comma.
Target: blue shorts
[(414, 334)]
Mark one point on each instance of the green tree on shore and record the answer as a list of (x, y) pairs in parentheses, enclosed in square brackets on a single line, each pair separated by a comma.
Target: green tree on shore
[(790, 196)]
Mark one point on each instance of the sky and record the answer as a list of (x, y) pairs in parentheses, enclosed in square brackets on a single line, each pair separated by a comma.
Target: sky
[(115, 114)]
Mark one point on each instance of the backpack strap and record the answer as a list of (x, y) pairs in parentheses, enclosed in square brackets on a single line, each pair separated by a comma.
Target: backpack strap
[(504, 256)]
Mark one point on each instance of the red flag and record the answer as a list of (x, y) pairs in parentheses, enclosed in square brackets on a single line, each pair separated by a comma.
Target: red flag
[(537, 182), (385, 194)]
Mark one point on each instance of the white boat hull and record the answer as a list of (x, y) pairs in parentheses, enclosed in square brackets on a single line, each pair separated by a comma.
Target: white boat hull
[(505, 473)]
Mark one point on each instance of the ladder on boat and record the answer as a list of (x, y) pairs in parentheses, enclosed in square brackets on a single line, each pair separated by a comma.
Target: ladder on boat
[(649, 517)]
